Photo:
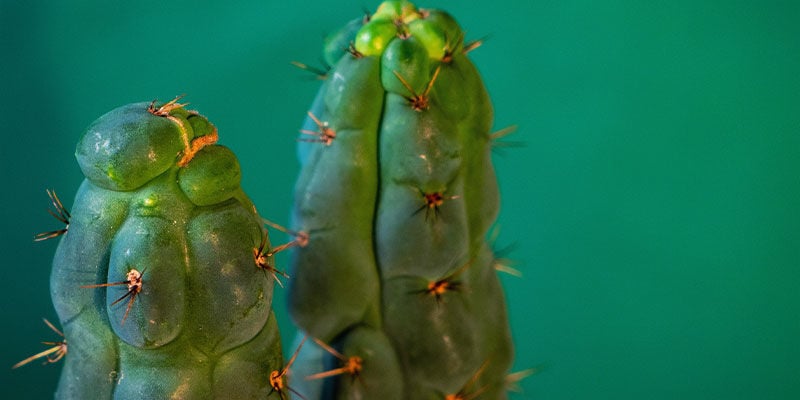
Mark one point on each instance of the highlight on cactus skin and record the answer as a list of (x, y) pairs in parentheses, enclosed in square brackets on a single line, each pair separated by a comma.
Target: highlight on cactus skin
[(159, 281), (398, 284)]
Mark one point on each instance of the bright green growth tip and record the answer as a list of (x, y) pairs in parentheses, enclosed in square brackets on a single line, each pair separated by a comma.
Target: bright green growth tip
[(402, 20)]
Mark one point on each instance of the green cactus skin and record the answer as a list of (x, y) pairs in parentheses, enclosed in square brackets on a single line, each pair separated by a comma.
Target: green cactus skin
[(161, 199), (398, 192)]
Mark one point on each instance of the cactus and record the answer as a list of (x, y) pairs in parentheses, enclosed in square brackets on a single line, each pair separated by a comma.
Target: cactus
[(163, 277), (397, 284)]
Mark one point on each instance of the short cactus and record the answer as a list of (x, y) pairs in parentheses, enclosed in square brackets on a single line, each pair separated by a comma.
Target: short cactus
[(163, 278), (398, 284)]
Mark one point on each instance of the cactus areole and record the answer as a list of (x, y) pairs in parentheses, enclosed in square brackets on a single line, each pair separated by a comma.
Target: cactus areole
[(155, 281), (397, 284)]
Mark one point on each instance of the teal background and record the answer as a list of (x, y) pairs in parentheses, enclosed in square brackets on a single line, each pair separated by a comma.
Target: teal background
[(654, 205)]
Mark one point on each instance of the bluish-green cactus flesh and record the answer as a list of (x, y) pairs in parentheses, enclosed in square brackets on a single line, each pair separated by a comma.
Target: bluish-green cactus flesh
[(363, 283), (202, 325)]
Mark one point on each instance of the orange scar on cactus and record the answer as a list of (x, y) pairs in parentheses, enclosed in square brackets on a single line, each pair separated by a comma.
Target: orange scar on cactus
[(189, 148), (61, 213), (134, 283), (197, 145), (51, 355), (350, 365)]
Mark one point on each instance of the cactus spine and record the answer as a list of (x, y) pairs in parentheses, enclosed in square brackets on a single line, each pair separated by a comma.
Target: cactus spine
[(163, 280), (397, 283)]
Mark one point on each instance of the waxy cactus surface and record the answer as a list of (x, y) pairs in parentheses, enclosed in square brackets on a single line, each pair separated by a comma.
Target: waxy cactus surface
[(397, 285), (163, 279)]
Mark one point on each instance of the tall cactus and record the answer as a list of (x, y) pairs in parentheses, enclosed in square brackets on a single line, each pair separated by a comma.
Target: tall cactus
[(397, 283), (163, 278)]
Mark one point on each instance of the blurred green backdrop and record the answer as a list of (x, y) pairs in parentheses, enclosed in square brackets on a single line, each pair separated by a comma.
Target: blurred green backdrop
[(655, 206)]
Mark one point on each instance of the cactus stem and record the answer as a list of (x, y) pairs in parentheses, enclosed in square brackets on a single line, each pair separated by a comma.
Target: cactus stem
[(325, 134), (61, 213), (352, 365), (134, 282), (463, 394), (261, 255), (277, 379), (419, 102), (51, 355)]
